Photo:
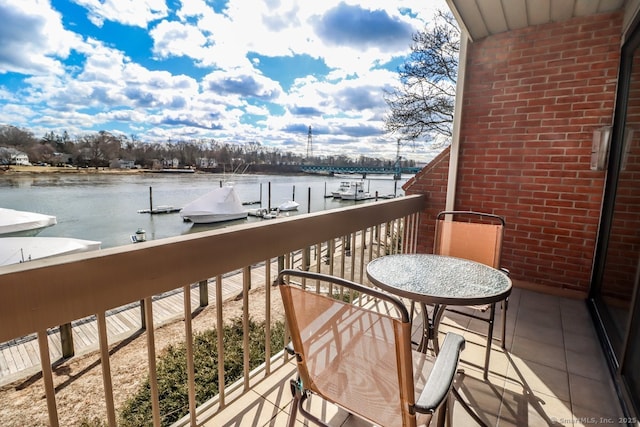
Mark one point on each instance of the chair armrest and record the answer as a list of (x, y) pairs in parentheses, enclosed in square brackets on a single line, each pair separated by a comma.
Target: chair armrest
[(442, 374)]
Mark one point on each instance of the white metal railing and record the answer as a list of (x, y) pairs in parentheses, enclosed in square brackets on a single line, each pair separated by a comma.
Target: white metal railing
[(41, 294)]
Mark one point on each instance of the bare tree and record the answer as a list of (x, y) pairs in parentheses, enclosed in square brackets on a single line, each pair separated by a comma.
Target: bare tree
[(98, 149), (423, 103), (12, 136)]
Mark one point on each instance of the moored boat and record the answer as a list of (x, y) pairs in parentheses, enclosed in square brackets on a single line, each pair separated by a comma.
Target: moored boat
[(355, 192), (219, 205), (288, 206), (344, 186), (21, 223), (14, 250)]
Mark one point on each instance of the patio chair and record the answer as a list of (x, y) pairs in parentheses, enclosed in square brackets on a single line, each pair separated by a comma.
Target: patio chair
[(475, 236), (357, 355)]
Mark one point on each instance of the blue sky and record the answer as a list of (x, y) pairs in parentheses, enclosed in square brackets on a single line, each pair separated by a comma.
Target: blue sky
[(236, 71)]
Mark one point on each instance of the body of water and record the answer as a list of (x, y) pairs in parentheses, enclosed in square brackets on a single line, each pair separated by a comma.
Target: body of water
[(105, 207)]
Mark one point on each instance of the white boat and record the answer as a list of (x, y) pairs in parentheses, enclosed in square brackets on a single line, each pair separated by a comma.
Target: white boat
[(14, 250), (221, 204), (288, 206), (20, 223), (263, 213), (355, 192), (344, 186), (259, 212)]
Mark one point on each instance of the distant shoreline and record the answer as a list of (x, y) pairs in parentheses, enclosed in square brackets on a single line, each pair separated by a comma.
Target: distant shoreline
[(14, 170), (29, 170)]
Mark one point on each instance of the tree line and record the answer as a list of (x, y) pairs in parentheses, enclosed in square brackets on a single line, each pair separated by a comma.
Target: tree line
[(101, 148)]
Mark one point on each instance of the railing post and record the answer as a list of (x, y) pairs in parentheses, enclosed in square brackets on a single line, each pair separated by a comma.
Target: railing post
[(306, 258), (347, 245), (328, 256), (66, 340), (143, 319), (204, 293), (280, 263)]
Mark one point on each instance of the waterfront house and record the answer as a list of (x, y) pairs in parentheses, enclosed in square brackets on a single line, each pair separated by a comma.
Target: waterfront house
[(13, 156), (206, 163), (122, 164)]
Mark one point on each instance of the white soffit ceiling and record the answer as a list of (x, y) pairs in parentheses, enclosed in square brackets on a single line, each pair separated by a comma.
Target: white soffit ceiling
[(483, 18)]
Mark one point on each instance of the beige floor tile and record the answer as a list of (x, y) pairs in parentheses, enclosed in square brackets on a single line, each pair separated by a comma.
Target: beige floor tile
[(281, 419), (536, 331), (581, 343), (482, 397), (540, 301), (542, 413), (327, 412), (276, 389), (542, 353), (577, 321), (249, 410), (545, 316), (539, 380), (587, 364), (590, 393), (588, 417), (474, 354)]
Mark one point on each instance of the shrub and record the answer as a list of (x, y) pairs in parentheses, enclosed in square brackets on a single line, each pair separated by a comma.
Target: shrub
[(172, 371)]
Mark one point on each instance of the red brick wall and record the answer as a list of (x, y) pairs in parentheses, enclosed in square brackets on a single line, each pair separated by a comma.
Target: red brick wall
[(532, 99), (431, 181)]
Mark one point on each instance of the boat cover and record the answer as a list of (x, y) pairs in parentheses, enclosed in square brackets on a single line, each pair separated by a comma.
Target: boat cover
[(14, 222), (289, 205), (223, 201), (14, 250)]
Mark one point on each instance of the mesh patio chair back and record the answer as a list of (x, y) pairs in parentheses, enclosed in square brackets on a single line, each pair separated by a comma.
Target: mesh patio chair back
[(358, 355), (476, 236), (459, 234)]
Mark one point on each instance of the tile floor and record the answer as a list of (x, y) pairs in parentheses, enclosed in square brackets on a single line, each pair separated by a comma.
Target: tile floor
[(552, 374)]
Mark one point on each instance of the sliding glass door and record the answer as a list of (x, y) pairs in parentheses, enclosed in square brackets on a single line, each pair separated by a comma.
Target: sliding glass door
[(614, 294)]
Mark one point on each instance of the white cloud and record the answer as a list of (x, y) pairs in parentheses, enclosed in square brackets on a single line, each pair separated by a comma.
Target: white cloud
[(129, 12), (33, 38), (173, 38), (107, 85)]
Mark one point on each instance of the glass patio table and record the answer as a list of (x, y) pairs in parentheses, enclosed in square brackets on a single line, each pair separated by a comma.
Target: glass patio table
[(440, 281)]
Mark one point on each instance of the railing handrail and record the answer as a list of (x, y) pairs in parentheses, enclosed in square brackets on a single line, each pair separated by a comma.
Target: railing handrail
[(44, 293)]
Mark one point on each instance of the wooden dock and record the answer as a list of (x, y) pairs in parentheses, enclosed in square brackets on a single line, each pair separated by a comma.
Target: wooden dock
[(160, 210)]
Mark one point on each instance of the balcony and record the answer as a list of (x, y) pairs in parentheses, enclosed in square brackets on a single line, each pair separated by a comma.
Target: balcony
[(553, 373)]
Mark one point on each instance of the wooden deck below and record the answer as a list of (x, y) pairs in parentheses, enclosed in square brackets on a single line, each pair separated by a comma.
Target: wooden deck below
[(20, 358)]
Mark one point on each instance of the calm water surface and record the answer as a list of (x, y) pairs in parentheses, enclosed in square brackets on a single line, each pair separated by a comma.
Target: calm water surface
[(105, 207)]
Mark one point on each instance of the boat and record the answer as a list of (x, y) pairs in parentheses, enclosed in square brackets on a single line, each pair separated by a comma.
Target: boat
[(219, 205), (263, 213), (259, 212), (288, 206), (355, 192), (21, 223), (344, 186), (14, 250)]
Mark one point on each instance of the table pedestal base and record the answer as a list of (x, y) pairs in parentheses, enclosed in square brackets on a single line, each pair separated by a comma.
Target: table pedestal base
[(430, 327)]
